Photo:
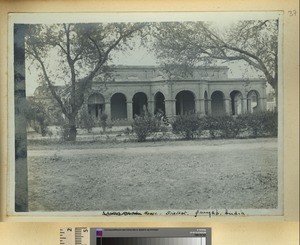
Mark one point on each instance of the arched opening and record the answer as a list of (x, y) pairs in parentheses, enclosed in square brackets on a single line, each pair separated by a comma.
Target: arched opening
[(139, 103), (118, 106), (253, 101), (96, 105), (217, 103), (159, 103), (185, 103), (236, 102), (206, 103)]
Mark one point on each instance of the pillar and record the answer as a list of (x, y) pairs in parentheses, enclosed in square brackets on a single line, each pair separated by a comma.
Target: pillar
[(209, 107), (227, 106), (151, 107), (263, 98), (244, 106), (249, 109), (170, 106), (108, 110), (202, 107), (170, 102), (129, 110), (200, 104), (197, 106), (263, 104)]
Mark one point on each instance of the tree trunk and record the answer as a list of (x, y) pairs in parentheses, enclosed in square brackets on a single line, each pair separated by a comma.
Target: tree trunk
[(72, 129)]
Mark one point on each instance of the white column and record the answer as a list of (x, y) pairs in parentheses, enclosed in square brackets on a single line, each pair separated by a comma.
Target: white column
[(201, 101), (170, 105), (209, 107), (202, 107), (244, 105), (197, 106), (227, 106), (129, 110), (151, 107), (108, 110), (263, 104)]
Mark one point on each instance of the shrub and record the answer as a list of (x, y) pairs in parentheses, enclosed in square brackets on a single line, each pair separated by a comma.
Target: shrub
[(164, 129), (103, 121), (144, 125), (186, 125), (261, 123), (36, 113), (127, 131), (230, 127), (86, 121), (255, 124), (270, 124), (211, 124)]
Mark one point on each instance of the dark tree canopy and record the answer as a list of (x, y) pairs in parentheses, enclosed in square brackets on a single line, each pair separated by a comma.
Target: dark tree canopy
[(190, 43)]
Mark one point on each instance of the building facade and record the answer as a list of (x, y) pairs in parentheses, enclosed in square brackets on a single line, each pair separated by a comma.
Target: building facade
[(131, 90), (206, 91)]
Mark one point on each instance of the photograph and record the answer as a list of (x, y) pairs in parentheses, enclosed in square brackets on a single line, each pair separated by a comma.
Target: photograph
[(146, 113)]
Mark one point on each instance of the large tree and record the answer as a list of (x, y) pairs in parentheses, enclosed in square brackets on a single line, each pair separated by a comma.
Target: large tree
[(75, 54), (186, 44)]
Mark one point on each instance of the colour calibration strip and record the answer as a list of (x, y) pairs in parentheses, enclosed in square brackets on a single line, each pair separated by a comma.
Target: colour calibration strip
[(135, 236), (152, 241)]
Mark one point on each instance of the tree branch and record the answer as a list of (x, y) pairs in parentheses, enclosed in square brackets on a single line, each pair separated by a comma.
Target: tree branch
[(51, 87)]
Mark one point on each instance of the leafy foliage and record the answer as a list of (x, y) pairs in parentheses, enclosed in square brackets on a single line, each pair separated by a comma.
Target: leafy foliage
[(186, 125), (82, 52), (224, 126), (103, 121), (86, 121), (261, 123), (182, 45), (36, 115), (211, 124), (144, 125)]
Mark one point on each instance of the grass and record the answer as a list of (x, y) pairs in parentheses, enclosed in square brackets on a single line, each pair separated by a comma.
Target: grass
[(154, 175)]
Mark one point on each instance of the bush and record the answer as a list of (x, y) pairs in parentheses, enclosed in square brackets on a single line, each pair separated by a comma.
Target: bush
[(144, 125), (36, 115), (270, 123), (258, 124), (127, 131), (103, 121), (86, 121), (261, 124), (230, 127), (211, 124), (186, 125)]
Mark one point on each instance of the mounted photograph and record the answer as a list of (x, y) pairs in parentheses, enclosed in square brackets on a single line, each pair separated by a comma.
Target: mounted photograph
[(146, 113)]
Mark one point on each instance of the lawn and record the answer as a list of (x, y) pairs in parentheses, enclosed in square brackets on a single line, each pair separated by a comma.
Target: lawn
[(201, 174)]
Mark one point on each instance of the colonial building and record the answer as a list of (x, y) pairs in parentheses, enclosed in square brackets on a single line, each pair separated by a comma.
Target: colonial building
[(130, 90), (206, 91)]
